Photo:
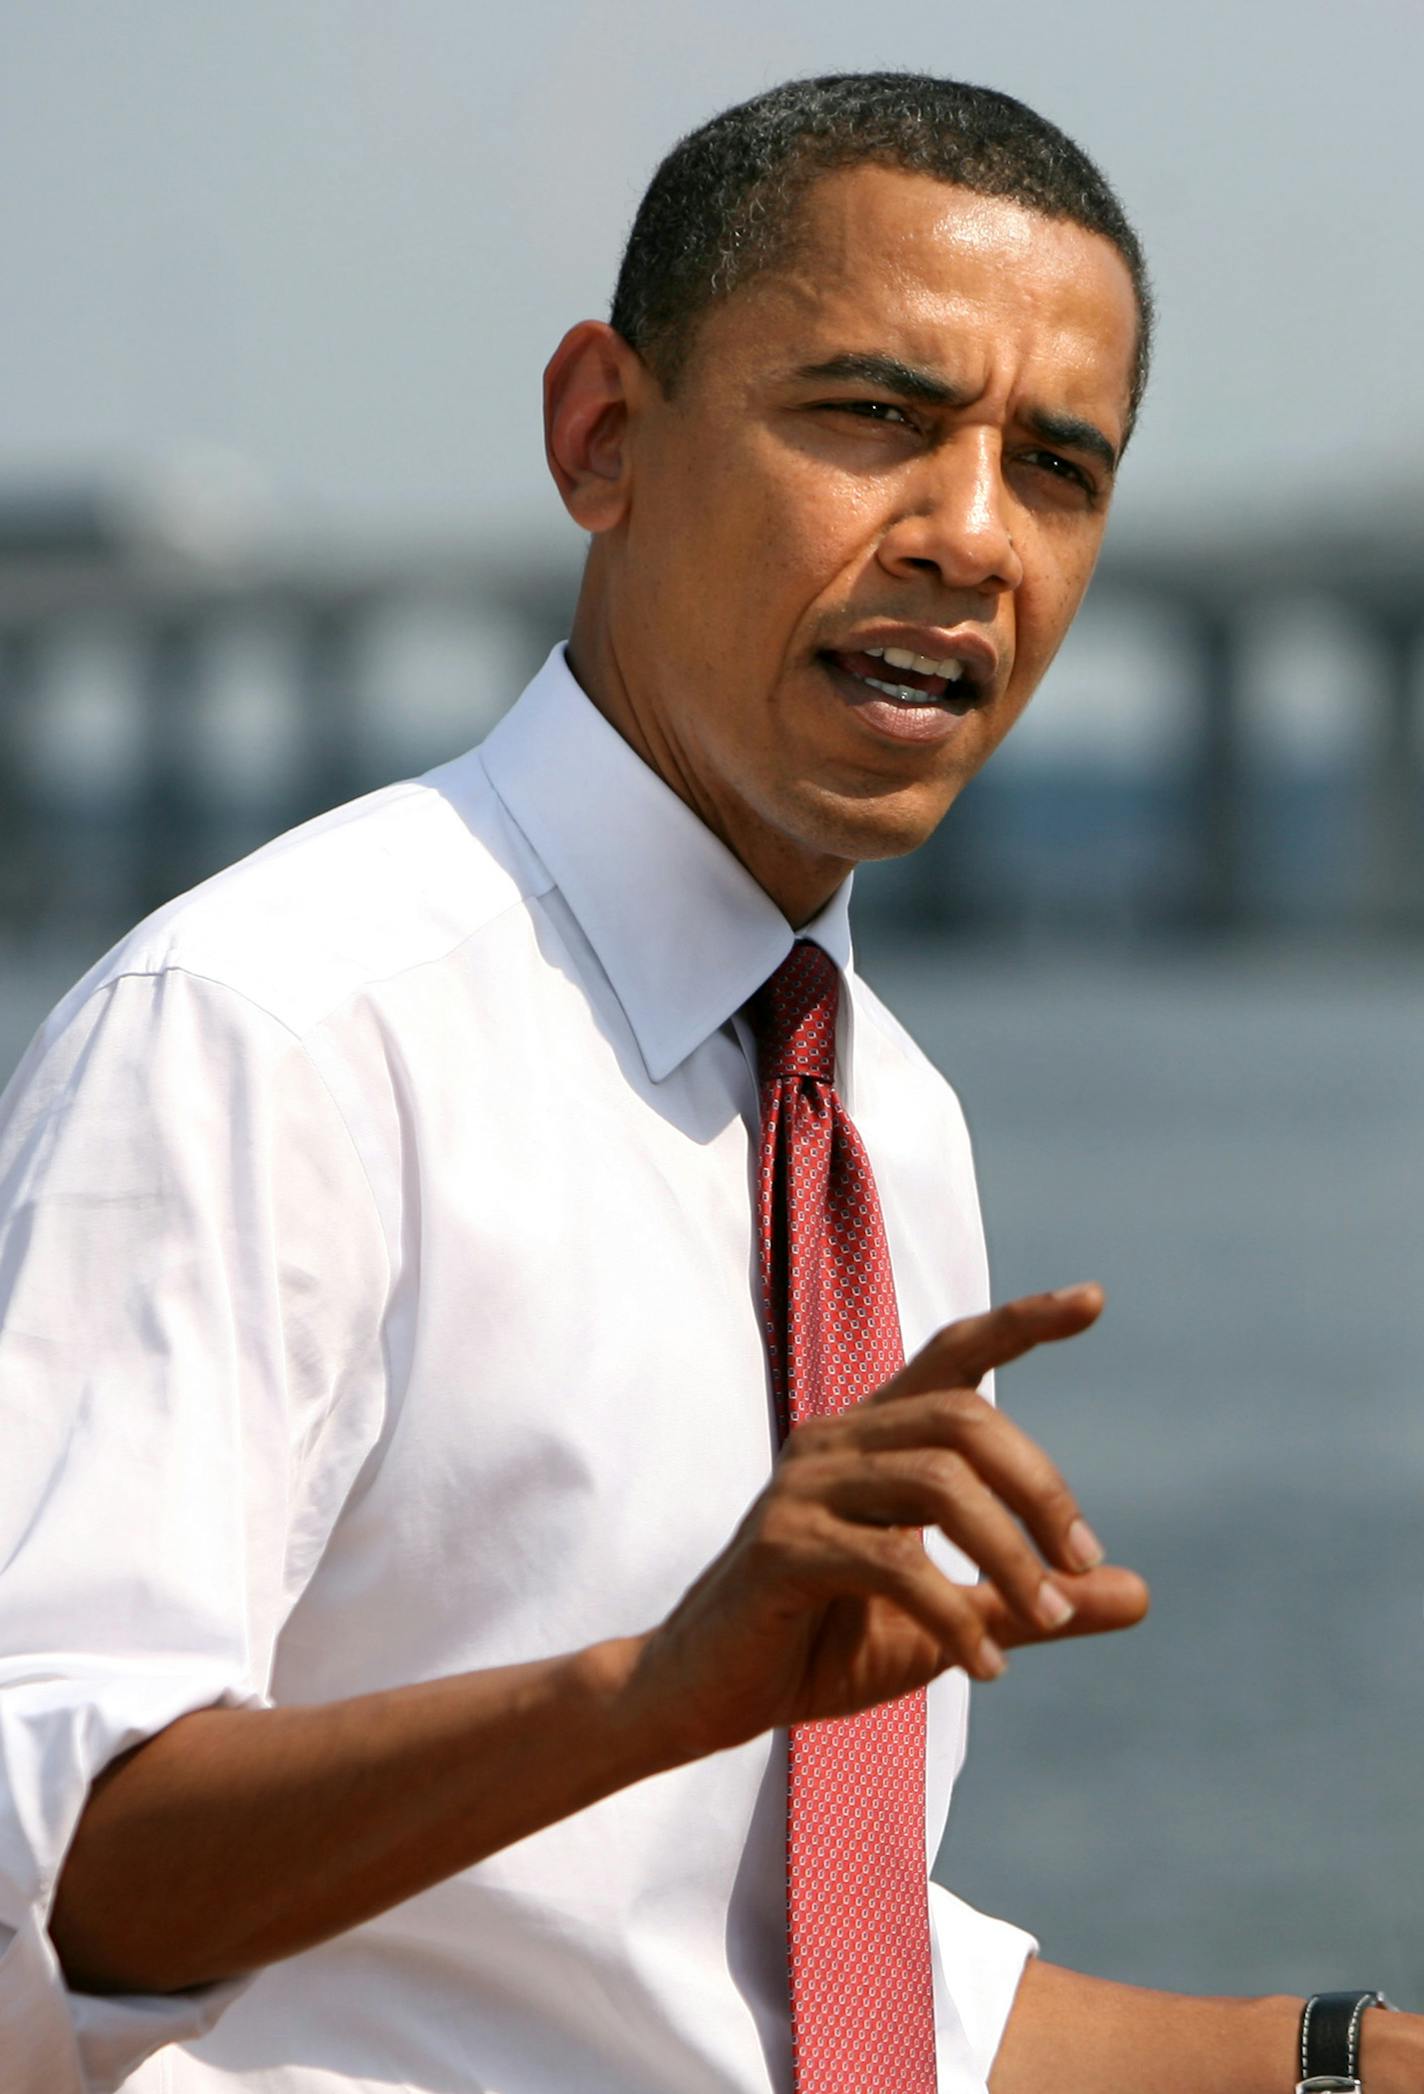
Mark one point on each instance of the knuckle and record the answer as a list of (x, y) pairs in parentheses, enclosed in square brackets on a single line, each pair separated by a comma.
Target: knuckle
[(949, 1342), (773, 1520), (945, 1471), (811, 1437), (958, 1409), (770, 1544), (1018, 1575), (814, 1443), (900, 1552), (1056, 1500), (808, 1479)]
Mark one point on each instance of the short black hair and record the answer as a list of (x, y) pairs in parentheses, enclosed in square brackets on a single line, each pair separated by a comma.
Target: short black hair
[(723, 204)]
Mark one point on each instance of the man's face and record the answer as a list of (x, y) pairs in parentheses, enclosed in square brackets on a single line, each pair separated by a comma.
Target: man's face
[(900, 442)]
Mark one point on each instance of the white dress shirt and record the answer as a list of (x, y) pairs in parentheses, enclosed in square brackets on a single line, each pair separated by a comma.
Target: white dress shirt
[(378, 1301)]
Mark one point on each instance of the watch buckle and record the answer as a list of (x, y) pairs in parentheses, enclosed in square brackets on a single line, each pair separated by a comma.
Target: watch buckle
[(1329, 2083)]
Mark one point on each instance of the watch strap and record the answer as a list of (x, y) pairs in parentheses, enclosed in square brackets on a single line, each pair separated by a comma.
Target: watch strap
[(1330, 2039)]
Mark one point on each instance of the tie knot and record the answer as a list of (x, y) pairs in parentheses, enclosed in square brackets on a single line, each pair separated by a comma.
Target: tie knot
[(794, 1016)]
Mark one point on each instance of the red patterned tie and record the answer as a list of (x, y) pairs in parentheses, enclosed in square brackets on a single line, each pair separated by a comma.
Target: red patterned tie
[(862, 1994)]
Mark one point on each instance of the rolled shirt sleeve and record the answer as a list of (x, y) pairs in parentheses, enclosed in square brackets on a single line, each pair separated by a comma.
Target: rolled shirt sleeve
[(189, 1381), (981, 1961)]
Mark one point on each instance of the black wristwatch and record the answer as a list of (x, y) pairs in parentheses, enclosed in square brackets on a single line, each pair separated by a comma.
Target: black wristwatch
[(1330, 2041)]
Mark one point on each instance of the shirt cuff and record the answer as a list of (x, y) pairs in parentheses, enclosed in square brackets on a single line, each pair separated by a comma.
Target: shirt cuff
[(54, 2041), (978, 1962), (56, 1735)]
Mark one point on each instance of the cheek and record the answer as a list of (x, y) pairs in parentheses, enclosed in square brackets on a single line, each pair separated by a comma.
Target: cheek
[(1044, 612), (738, 545), (796, 499), (772, 557)]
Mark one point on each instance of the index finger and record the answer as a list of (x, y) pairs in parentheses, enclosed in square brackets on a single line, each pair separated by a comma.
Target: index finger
[(960, 1355)]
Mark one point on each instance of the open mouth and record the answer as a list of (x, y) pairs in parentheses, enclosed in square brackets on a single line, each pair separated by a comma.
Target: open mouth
[(911, 680)]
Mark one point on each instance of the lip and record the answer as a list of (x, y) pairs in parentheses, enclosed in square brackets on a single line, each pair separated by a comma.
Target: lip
[(923, 727), (960, 643)]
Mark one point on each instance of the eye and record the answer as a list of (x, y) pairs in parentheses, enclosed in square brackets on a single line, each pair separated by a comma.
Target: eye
[(871, 411), (1060, 468)]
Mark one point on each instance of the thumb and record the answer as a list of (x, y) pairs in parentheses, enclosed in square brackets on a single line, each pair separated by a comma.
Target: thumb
[(1106, 1599)]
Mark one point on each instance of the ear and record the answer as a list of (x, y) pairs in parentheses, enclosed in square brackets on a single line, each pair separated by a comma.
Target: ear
[(591, 386)]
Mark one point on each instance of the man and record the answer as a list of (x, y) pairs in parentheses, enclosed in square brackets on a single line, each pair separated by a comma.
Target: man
[(421, 1240)]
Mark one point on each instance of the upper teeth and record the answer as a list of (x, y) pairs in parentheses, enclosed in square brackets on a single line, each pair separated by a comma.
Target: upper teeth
[(901, 658)]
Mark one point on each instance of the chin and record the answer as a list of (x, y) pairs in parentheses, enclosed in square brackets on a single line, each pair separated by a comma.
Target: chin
[(861, 831)]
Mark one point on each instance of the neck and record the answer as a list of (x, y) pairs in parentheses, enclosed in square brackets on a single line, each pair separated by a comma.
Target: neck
[(800, 883)]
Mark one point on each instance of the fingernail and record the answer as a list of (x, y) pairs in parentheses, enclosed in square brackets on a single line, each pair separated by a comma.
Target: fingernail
[(1052, 1606), (1084, 1547), (1072, 1293), (991, 1659)]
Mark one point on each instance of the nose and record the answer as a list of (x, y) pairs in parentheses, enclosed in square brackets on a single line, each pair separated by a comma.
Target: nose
[(955, 520)]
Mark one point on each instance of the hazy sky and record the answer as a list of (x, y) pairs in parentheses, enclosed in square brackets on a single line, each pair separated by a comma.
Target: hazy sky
[(337, 238)]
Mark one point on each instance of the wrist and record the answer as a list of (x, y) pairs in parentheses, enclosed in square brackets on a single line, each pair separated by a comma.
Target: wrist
[(1356, 2039), (638, 1733), (1271, 2039), (1391, 2053)]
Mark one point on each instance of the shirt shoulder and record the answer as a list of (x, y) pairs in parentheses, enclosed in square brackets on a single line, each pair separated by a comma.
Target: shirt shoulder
[(393, 881)]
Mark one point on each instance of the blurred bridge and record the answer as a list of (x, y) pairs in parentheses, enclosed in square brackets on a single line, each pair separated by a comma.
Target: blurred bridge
[(162, 711)]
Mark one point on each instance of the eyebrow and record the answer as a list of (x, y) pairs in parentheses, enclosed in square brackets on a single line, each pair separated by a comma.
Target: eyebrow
[(909, 382), (1072, 434), (889, 373)]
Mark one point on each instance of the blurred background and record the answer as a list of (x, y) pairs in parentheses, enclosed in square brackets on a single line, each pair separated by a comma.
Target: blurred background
[(274, 528)]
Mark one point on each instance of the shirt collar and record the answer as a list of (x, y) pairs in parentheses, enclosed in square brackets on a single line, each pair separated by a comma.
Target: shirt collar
[(680, 927)]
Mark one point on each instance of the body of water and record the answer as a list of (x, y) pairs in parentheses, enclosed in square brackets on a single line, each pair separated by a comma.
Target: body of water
[(1228, 1798)]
